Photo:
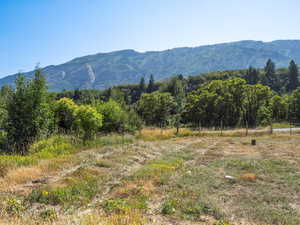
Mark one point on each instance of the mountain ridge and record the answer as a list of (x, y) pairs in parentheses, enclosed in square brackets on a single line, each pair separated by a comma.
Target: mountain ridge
[(103, 70)]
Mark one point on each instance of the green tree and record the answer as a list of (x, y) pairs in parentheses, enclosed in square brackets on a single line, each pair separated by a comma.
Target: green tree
[(155, 108), (142, 87), (216, 103), (252, 75), (254, 97), (151, 85), (179, 96), (264, 115), (5, 92), (279, 107), (293, 74), (294, 106), (28, 114), (270, 78)]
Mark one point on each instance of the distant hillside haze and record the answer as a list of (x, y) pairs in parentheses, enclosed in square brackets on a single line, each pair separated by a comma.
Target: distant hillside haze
[(104, 70)]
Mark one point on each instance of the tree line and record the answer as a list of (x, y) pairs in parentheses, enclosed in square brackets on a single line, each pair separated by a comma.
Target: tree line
[(29, 112), (241, 98)]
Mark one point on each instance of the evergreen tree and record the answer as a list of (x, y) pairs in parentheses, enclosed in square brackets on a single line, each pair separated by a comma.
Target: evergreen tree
[(252, 76), (77, 95), (269, 76), (142, 87), (28, 114), (151, 85), (293, 81)]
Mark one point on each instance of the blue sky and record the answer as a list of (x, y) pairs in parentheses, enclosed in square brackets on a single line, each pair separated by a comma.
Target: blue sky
[(55, 31)]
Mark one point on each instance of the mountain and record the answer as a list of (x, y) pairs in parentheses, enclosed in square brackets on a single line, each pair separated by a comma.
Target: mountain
[(104, 70)]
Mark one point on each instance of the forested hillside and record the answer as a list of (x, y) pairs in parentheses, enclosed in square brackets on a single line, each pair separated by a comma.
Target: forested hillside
[(105, 70)]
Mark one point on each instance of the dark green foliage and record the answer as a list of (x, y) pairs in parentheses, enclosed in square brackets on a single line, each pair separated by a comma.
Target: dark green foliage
[(294, 106), (293, 77), (28, 113), (252, 75), (65, 115), (216, 103), (142, 86), (151, 86), (155, 108), (280, 108), (270, 78), (227, 103), (255, 97), (81, 96)]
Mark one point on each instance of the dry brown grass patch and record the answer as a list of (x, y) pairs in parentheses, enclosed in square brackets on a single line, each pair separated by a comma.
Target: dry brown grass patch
[(131, 189)]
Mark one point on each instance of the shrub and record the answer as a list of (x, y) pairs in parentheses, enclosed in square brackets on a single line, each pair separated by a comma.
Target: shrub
[(89, 120), (114, 116), (65, 114)]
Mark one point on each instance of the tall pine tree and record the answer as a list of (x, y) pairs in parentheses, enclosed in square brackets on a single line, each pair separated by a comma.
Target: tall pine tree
[(269, 75), (293, 80), (151, 85), (142, 87), (252, 76)]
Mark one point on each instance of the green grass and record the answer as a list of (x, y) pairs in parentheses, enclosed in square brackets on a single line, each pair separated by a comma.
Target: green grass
[(75, 195), (188, 204), (138, 202), (159, 170), (79, 188), (265, 200), (57, 146)]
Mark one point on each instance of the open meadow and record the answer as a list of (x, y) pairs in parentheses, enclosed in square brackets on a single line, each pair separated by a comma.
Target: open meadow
[(155, 178)]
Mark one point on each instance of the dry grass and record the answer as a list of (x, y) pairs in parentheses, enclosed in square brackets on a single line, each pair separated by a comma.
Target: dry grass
[(155, 134), (132, 217), (170, 180)]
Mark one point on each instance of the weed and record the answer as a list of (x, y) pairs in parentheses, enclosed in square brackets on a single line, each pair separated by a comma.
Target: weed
[(48, 214), (220, 222), (14, 206), (104, 163), (75, 194), (123, 205), (189, 205)]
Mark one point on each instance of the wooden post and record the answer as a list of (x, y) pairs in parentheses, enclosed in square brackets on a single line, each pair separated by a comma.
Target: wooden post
[(271, 127), (246, 127), (221, 127)]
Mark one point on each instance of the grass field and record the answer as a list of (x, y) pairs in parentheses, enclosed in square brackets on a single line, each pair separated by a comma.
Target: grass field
[(156, 177)]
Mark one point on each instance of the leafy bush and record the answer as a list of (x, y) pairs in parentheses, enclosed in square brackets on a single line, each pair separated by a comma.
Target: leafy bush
[(65, 114), (114, 116), (89, 120)]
